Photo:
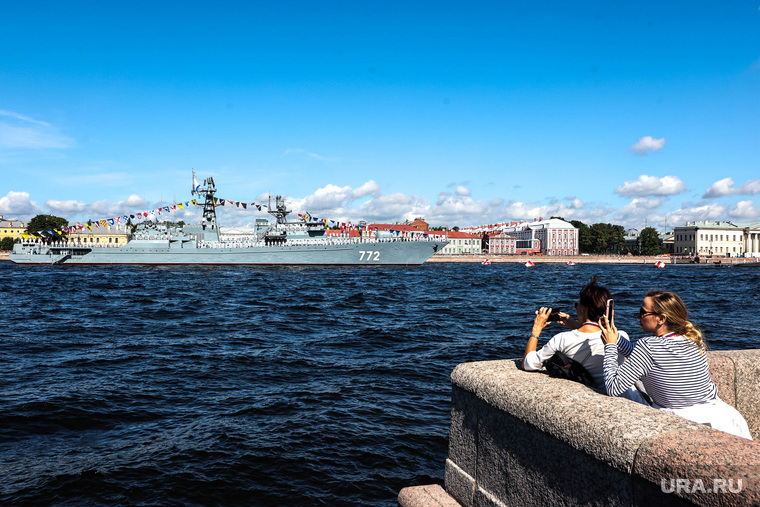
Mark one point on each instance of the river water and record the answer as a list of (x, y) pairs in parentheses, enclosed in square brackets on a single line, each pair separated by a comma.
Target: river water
[(276, 386)]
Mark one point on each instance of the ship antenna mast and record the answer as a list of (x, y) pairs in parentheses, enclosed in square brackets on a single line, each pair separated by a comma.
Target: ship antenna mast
[(211, 232)]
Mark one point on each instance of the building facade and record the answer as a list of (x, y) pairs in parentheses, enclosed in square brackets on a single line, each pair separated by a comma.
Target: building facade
[(631, 238), (109, 236), (547, 237), (721, 239), (500, 243), (461, 243), (11, 228)]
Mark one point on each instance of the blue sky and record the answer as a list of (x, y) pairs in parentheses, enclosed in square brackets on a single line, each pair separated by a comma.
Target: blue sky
[(464, 113)]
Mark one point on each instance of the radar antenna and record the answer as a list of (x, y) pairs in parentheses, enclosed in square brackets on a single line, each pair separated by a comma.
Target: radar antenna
[(208, 223), (281, 211)]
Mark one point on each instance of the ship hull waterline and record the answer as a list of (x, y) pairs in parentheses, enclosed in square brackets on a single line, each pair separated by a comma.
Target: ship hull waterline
[(400, 253)]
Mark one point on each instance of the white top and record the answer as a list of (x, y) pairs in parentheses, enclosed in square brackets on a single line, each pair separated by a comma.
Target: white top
[(586, 348)]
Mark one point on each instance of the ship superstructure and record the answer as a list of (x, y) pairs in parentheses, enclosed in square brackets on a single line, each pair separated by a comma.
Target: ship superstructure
[(300, 242)]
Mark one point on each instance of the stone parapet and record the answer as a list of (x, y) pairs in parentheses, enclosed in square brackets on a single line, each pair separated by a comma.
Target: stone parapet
[(523, 438)]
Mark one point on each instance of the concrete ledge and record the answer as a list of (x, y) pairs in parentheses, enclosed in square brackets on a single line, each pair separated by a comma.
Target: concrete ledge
[(426, 496), (519, 438)]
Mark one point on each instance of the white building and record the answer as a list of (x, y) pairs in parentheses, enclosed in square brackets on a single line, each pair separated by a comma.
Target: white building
[(722, 239), (461, 243), (549, 237), (631, 238)]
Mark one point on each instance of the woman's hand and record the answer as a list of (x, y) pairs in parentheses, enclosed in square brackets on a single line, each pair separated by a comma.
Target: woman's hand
[(609, 331), (539, 323), (541, 320), (566, 320)]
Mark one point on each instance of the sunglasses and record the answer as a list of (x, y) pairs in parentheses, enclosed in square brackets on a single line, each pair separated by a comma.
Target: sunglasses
[(643, 313)]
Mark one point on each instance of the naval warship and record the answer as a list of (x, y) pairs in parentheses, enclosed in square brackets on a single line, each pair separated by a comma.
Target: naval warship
[(295, 243)]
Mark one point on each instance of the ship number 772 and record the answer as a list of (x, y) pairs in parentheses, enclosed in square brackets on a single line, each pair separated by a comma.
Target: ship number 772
[(372, 255)]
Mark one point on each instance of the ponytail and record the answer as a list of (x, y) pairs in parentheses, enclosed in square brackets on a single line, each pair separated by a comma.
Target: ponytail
[(671, 306), (694, 334)]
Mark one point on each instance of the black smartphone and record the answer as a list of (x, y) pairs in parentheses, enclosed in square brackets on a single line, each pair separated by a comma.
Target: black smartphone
[(609, 312), (553, 316)]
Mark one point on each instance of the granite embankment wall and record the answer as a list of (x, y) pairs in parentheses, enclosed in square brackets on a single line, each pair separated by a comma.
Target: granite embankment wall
[(523, 438)]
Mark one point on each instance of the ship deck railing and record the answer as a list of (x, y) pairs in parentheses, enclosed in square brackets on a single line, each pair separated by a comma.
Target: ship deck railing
[(335, 241)]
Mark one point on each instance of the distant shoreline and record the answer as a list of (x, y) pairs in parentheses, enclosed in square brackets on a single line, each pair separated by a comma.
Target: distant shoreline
[(581, 259), (545, 259)]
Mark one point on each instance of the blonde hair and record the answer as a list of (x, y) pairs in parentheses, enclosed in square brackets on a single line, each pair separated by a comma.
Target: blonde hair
[(671, 306)]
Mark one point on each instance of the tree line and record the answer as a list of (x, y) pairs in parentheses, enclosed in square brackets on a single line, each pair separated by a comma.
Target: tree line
[(609, 239)]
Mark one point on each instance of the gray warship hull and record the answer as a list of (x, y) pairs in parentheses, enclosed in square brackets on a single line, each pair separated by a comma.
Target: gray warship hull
[(300, 243), (158, 253)]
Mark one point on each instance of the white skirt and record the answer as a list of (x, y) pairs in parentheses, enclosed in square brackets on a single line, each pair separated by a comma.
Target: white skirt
[(717, 414)]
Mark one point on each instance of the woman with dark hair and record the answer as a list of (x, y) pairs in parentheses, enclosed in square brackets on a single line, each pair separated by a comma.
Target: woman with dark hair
[(671, 363), (583, 343)]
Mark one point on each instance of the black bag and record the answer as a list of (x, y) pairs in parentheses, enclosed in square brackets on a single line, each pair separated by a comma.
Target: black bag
[(561, 366)]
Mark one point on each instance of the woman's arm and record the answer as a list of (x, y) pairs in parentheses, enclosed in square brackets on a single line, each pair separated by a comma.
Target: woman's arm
[(618, 378), (624, 345), (566, 320), (539, 323)]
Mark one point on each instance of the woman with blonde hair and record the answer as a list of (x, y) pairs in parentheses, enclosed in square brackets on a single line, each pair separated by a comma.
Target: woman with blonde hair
[(671, 363)]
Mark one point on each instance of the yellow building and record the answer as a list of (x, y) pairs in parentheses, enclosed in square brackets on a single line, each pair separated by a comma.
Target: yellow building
[(11, 228), (112, 235)]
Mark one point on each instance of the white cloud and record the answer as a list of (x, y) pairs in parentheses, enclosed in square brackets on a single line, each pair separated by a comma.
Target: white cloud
[(66, 208), (18, 205), (697, 212), (640, 211), (726, 187), (647, 186), (647, 144), (19, 131), (367, 202), (745, 210), (332, 196)]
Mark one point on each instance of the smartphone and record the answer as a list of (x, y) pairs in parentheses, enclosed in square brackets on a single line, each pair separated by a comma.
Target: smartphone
[(610, 311), (553, 316)]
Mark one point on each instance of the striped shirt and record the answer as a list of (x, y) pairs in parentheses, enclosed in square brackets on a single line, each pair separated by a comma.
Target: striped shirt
[(673, 370)]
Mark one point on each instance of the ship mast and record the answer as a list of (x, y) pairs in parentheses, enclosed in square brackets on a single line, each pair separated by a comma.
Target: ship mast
[(210, 230), (281, 211)]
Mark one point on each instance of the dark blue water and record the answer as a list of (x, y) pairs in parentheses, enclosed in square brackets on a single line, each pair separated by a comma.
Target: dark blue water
[(276, 386)]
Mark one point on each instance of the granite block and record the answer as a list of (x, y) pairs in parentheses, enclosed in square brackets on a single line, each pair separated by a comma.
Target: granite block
[(460, 485), (524, 438), (463, 429), (722, 372), (747, 382), (703, 467), (519, 464), (607, 428), (426, 496)]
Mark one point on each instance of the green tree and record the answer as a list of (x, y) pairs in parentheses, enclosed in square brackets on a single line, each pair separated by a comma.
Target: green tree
[(618, 239), (650, 241), (584, 236), (7, 244), (46, 223), (607, 238)]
